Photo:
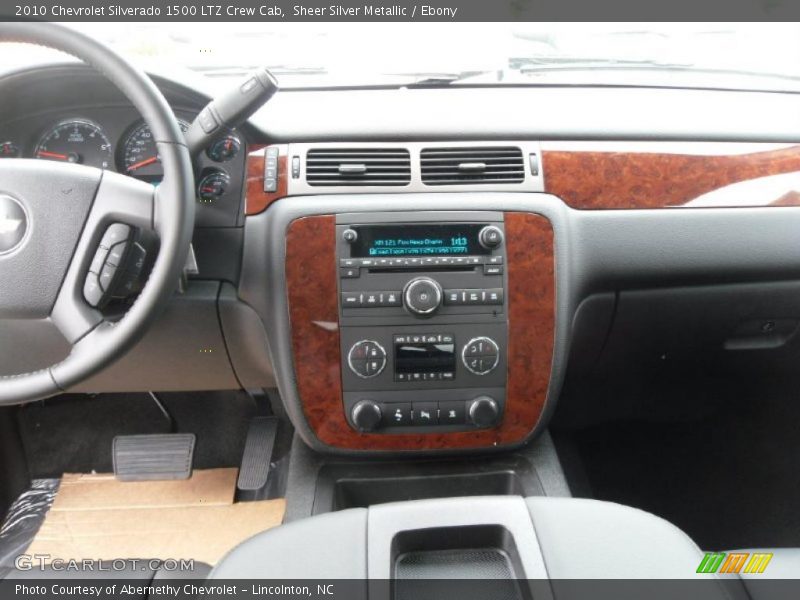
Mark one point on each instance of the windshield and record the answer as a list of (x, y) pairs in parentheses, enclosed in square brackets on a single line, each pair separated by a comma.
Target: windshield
[(748, 55)]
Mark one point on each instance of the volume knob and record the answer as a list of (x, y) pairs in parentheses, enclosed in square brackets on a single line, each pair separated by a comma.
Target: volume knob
[(422, 296), (366, 415), (490, 237), (483, 411)]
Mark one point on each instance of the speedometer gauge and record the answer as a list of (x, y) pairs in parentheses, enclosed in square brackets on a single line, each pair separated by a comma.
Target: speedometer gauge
[(139, 157), (76, 141)]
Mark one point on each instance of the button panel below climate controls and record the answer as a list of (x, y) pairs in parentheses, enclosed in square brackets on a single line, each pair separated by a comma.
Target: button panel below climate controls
[(368, 415)]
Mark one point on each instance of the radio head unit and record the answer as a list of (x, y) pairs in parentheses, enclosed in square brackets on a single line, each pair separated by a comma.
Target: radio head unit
[(423, 321)]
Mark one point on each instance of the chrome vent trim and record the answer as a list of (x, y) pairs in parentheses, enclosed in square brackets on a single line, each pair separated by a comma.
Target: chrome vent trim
[(472, 165), (336, 167)]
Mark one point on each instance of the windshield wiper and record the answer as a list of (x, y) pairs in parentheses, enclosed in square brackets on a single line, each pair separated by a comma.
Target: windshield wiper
[(434, 79), (531, 64), (240, 70)]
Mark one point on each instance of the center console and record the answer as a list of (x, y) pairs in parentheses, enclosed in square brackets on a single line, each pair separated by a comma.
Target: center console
[(487, 547), (423, 322), (421, 330)]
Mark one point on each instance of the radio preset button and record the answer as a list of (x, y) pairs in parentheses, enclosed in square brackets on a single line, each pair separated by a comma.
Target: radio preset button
[(493, 296), (490, 296), (371, 299)]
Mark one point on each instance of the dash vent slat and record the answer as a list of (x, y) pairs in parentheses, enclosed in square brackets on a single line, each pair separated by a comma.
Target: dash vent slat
[(478, 165), (358, 167)]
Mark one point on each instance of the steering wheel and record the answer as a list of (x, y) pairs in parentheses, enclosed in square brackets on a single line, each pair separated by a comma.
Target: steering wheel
[(53, 217)]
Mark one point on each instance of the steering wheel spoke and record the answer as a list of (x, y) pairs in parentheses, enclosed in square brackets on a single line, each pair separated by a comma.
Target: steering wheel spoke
[(122, 207)]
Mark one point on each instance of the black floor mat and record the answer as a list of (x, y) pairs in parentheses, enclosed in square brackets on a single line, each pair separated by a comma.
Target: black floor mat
[(73, 433), (730, 481)]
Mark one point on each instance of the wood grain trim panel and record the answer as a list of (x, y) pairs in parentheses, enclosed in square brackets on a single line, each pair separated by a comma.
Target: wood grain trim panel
[(648, 177), (256, 199), (313, 312)]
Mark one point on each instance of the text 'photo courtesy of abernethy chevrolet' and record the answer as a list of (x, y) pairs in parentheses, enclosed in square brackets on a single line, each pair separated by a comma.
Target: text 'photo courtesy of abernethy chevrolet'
[(408, 301)]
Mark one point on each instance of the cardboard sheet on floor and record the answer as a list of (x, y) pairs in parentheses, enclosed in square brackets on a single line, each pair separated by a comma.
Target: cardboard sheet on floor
[(98, 517)]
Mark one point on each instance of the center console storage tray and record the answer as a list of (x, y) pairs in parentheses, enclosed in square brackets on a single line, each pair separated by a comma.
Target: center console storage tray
[(356, 485)]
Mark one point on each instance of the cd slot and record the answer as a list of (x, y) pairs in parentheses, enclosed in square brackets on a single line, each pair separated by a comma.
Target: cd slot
[(421, 269)]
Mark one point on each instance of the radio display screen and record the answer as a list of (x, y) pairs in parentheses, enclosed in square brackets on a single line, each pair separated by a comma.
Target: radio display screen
[(417, 240), (424, 354)]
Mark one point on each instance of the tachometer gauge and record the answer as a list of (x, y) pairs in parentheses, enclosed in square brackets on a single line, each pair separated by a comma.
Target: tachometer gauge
[(139, 157), (75, 141)]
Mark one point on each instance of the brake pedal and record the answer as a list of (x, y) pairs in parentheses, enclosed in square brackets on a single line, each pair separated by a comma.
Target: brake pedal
[(258, 446), (153, 457)]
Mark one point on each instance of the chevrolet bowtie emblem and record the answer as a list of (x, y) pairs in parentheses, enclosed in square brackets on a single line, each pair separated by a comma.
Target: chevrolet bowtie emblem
[(13, 224), (9, 224)]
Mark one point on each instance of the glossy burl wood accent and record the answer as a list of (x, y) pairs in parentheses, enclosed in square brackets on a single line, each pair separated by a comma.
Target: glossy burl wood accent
[(687, 175), (256, 199), (313, 313)]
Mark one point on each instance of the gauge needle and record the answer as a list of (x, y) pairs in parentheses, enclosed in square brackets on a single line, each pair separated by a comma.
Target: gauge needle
[(46, 154), (142, 163)]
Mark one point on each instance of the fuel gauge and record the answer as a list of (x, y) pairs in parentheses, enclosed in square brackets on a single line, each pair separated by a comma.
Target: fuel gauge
[(9, 150), (212, 186)]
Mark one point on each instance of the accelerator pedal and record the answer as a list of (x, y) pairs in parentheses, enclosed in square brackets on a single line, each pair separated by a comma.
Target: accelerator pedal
[(258, 446), (153, 457)]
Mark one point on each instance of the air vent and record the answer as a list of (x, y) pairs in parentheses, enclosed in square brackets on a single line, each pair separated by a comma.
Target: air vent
[(358, 166), (462, 166)]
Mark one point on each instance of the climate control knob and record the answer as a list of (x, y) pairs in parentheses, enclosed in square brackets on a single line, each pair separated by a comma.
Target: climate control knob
[(483, 411), (366, 415), (422, 296), (480, 355), (366, 359)]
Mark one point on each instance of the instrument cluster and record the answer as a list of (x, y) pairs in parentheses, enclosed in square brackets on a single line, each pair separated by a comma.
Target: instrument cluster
[(128, 149)]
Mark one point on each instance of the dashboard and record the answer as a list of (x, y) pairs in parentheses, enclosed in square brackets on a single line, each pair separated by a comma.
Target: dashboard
[(348, 261)]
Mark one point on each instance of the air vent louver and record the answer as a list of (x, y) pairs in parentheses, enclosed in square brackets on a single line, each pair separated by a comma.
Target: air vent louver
[(477, 165), (358, 167)]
